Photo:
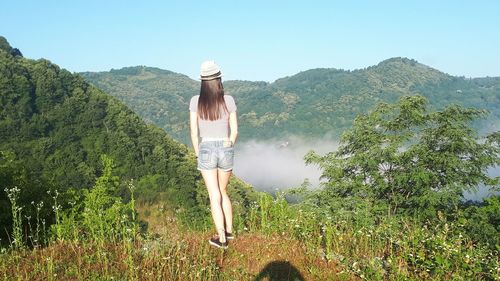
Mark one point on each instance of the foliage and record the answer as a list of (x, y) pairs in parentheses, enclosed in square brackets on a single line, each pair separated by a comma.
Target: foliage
[(482, 221), (4, 45), (17, 238), (104, 214), (56, 126), (394, 248), (328, 98), (153, 93), (401, 158), (30, 192)]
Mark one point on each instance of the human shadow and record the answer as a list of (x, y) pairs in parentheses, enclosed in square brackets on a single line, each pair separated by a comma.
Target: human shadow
[(280, 270)]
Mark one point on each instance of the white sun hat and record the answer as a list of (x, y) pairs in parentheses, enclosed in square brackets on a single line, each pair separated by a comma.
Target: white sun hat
[(210, 70)]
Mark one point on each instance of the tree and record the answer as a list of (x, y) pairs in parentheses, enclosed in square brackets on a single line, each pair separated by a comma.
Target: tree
[(402, 158), (4, 44)]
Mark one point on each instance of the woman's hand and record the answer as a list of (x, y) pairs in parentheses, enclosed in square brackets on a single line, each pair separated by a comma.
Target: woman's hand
[(233, 125)]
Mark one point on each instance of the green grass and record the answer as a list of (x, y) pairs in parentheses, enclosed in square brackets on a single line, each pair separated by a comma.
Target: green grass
[(98, 238), (317, 247)]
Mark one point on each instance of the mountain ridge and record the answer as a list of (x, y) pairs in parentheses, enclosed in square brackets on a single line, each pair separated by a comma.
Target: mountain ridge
[(311, 103)]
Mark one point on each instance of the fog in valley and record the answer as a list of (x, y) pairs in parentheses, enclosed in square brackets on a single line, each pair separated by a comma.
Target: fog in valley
[(279, 164), (482, 191), (271, 165)]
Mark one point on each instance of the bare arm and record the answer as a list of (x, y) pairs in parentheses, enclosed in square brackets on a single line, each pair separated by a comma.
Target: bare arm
[(233, 125), (193, 125)]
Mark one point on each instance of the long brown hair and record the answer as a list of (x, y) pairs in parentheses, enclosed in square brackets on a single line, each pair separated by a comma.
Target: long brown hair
[(211, 102)]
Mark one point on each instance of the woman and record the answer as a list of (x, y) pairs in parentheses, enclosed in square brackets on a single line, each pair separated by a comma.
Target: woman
[(211, 115)]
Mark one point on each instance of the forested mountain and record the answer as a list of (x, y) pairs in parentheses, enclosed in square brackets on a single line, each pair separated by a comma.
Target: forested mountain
[(158, 96), (311, 103), (54, 128)]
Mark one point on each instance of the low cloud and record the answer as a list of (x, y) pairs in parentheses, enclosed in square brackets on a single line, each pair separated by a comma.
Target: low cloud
[(483, 191), (279, 164)]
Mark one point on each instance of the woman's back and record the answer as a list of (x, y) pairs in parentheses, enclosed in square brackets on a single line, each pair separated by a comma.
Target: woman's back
[(217, 128)]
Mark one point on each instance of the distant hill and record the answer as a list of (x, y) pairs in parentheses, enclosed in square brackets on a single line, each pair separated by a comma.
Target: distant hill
[(311, 103), (54, 127), (158, 96)]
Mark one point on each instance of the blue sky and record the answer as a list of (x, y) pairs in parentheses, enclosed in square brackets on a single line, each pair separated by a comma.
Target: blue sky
[(256, 40)]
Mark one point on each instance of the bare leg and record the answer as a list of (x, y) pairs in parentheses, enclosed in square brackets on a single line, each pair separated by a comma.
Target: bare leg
[(211, 181), (226, 203)]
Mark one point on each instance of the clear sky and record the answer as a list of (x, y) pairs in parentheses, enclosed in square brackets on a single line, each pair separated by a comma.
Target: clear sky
[(256, 40)]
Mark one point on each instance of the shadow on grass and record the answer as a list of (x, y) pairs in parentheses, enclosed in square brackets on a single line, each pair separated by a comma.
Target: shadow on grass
[(279, 270)]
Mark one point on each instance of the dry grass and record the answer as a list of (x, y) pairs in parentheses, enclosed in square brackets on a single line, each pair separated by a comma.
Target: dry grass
[(388, 251), (171, 253)]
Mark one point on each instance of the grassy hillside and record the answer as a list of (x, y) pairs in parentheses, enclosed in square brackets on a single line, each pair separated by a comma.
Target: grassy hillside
[(279, 242), (54, 129), (311, 103)]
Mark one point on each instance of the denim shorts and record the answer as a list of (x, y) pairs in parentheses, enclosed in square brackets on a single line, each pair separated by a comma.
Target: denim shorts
[(216, 154)]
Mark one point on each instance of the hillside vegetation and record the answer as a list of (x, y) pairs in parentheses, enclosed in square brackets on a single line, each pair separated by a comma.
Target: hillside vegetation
[(54, 130), (312, 103)]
